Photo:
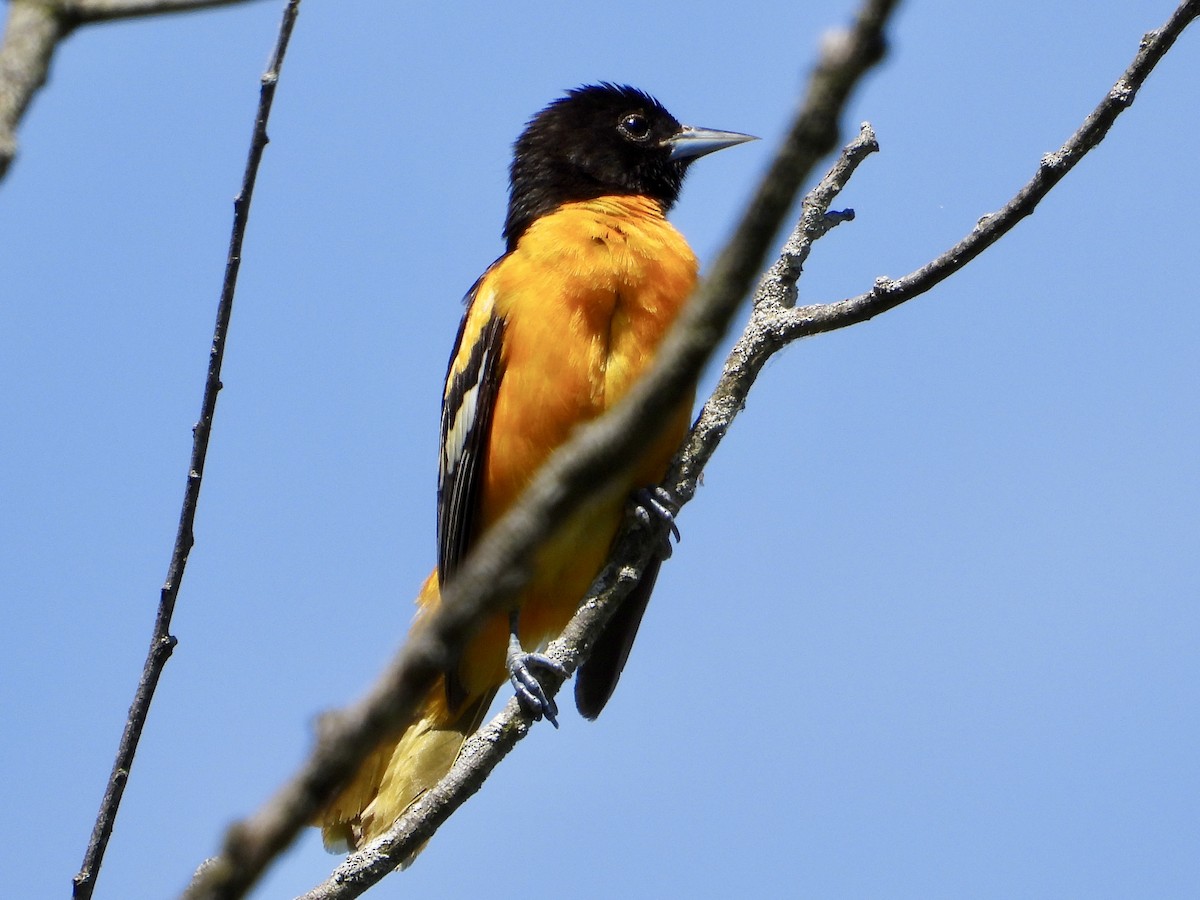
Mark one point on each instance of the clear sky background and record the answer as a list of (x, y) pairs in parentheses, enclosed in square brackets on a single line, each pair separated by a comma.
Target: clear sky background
[(934, 626)]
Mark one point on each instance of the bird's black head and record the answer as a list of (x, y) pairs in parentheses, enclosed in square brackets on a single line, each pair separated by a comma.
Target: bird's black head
[(597, 141)]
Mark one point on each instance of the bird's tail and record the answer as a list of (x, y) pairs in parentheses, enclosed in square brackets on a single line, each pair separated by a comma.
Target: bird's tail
[(405, 766), (399, 771)]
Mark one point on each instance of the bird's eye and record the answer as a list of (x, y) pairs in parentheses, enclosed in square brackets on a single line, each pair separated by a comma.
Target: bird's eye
[(635, 127)]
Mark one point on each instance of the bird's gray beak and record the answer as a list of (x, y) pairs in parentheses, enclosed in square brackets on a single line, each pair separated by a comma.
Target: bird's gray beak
[(689, 142)]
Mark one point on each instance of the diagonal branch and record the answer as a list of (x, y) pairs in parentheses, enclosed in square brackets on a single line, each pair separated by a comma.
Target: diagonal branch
[(162, 642), (494, 569)]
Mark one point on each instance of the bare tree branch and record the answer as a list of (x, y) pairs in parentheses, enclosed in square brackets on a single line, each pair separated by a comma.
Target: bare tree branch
[(495, 567), (32, 34), (82, 12), (773, 324), (161, 640)]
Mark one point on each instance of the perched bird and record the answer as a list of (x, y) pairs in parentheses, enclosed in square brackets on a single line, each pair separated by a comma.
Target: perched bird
[(555, 332)]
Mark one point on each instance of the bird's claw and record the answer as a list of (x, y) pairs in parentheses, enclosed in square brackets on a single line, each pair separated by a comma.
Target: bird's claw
[(530, 693), (655, 507)]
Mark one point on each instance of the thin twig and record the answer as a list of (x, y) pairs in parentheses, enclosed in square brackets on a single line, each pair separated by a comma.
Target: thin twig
[(773, 324), (495, 567), (162, 642)]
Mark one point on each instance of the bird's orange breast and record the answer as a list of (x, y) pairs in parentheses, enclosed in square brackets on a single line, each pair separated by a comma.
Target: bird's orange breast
[(586, 297)]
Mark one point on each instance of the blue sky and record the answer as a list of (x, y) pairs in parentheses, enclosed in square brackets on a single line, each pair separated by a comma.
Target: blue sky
[(933, 629)]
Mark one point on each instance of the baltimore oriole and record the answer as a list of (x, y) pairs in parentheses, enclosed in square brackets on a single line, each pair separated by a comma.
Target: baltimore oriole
[(555, 332)]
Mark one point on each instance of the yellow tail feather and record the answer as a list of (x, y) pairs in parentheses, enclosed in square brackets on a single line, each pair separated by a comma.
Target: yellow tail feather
[(399, 771)]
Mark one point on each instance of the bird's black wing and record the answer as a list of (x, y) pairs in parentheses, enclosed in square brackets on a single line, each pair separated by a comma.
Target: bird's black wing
[(467, 406)]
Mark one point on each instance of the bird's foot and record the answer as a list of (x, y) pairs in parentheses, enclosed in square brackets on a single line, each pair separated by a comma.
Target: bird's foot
[(530, 693), (654, 508)]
